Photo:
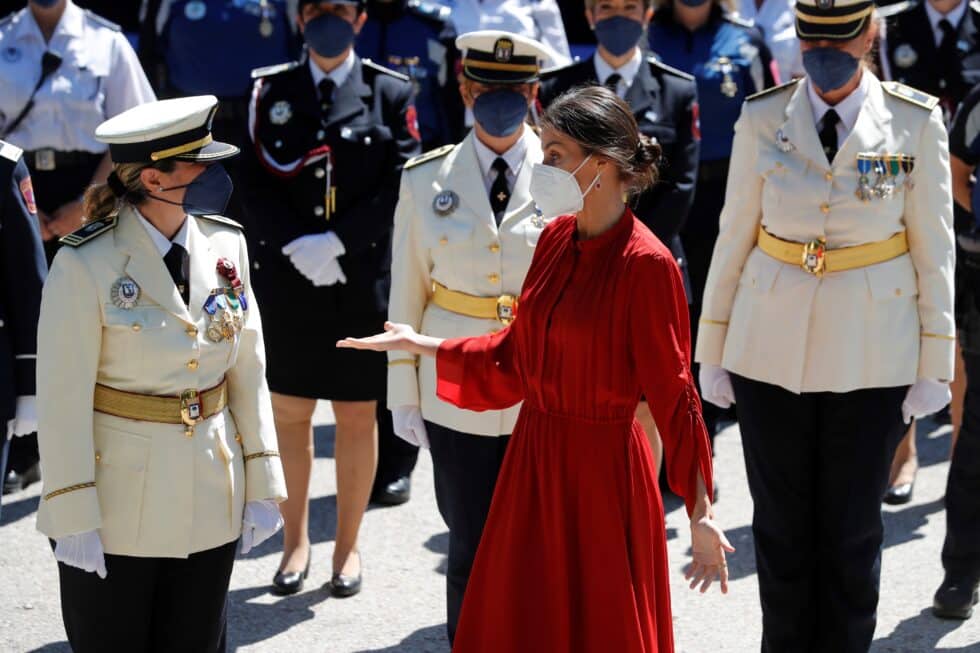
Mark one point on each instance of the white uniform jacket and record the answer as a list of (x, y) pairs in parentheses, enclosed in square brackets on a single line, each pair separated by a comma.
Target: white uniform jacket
[(465, 251), (149, 489), (882, 325)]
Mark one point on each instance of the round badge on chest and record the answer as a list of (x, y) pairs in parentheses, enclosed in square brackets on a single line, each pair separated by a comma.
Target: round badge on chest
[(280, 113), (445, 202), (195, 10), (11, 54), (124, 293), (905, 56)]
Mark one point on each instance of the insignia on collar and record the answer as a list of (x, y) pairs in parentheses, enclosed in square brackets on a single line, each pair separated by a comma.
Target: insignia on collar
[(445, 202)]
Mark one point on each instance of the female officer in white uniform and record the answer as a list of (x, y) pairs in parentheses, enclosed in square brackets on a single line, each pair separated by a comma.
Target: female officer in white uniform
[(465, 232), (829, 311), (157, 440)]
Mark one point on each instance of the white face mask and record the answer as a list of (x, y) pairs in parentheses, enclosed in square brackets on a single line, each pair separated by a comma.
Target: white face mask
[(556, 191)]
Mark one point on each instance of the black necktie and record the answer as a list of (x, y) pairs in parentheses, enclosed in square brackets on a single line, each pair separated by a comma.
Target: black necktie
[(949, 60), (174, 260), (326, 88), (500, 190), (828, 134), (612, 82)]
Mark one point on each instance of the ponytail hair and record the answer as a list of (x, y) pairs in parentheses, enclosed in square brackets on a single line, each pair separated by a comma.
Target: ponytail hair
[(122, 186)]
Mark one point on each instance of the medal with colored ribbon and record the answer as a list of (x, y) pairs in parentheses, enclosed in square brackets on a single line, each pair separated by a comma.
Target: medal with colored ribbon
[(908, 164), (864, 163), (226, 305)]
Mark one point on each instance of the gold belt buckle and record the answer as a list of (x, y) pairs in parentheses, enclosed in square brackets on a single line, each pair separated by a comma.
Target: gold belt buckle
[(813, 257), (506, 309), (190, 410)]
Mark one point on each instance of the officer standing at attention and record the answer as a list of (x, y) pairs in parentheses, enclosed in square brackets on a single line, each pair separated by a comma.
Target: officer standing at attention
[(465, 232), (157, 438), (22, 271), (828, 315), (331, 133), (64, 71), (664, 102)]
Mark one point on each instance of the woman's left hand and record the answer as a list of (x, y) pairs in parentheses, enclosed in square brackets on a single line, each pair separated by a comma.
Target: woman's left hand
[(709, 544)]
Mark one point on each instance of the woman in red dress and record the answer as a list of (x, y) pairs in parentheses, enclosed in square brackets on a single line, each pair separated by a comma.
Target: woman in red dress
[(574, 555)]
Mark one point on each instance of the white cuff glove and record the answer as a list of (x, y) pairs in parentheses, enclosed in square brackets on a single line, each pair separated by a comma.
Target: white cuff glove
[(309, 253), (925, 397), (409, 425), (83, 550), (260, 521), (25, 416), (328, 274), (716, 385)]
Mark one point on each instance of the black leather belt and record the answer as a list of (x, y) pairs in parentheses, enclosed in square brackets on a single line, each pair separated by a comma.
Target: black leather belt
[(47, 159)]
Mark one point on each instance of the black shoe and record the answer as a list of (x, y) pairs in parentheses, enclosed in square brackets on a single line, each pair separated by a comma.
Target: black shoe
[(15, 482), (900, 494), (955, 598), (342, 586), (285, 583), (395, 493)]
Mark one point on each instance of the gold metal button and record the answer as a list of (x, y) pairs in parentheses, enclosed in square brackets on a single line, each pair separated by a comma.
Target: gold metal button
[(192, 331), (493, 277), (828, 176), (825, 208), (98, 457), (192, 364), (898, 292), (443, 241), (495, 247), (238, 438), (137, 326)]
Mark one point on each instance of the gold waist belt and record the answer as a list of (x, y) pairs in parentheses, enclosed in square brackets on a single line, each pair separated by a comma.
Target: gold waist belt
[(190, 408), (815, 258), (502, 308)]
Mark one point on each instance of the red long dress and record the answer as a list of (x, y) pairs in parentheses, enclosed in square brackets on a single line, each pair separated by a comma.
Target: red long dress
[(574, 555)]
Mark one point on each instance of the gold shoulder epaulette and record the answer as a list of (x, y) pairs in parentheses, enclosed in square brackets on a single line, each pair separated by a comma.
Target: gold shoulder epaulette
[(774, 89), (910, 94), (90, 230), (425, 157), (223, 220)]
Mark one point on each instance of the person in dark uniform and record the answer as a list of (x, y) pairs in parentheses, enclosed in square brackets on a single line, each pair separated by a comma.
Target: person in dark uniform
[(417, 39), (664, 102), (22, 271), (182, 55), (330, 135), (730, 61), (958, 594)]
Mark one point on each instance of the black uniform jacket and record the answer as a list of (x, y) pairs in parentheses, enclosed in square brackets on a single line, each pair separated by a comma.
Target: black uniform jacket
[(357, 147), (22, 272), (664, 102)]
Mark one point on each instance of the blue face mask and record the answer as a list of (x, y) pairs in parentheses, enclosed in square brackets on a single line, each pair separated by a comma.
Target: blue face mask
[(618, 34), (207, 194), (829, 68), (500, 112), (693, 3), (47, 4), (328, 35)]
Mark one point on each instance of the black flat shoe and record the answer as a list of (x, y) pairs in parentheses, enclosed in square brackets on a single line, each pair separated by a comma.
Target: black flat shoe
[(955, 598), (342, 586), (15, 482), (395, 493), (898, 495), (285, 583)]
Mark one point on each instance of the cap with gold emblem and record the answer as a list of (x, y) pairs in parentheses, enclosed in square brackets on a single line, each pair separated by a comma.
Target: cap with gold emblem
[(168, 129), (832, 20), (496, 57)]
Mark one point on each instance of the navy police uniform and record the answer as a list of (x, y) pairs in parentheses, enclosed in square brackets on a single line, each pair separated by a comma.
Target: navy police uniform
[(315, 166), (416, 38), (22, 271)]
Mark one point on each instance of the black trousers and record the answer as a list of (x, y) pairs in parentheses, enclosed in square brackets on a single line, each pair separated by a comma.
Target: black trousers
[(961, 551), (817, 467), (396, 458), (149, 605), (465, 467)]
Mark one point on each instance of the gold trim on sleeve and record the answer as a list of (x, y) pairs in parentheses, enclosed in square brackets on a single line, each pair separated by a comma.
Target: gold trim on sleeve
[(403, 361), (262, 454), (70, 488), (715, 322), (938, 336)]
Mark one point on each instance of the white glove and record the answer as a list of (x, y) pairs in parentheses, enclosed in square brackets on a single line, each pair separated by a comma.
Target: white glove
[(25, 416), (328, 274), (83, 550), (409, 426), (260, 521), (309, 253), (925, 397), (716, 385)]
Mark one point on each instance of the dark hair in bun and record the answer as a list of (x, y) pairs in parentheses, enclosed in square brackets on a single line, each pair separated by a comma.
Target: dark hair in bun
[(603, 124)]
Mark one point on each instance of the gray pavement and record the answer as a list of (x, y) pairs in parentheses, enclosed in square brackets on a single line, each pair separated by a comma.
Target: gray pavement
[(404, 550)]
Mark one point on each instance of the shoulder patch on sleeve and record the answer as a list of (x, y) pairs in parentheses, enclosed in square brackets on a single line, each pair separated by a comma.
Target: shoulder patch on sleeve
[(888, 11), (431, 155), (222, 220), (769, 91), (911, 95), (95, 18), (431, 10), (90, 230), (386, 71), (268, 71), (10, 151), (657, 63)]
